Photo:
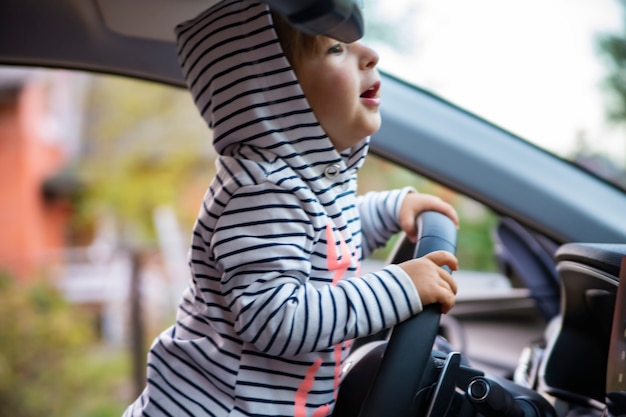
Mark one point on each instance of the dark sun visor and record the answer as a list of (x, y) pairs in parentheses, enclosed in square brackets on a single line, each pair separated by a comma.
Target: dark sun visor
[(339, 19)]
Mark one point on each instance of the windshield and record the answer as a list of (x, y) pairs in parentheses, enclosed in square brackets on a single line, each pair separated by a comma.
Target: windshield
[(538, 69)]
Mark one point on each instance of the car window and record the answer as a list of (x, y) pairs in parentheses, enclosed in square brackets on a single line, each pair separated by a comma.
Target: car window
[(144, 136), (475, 246), (538, 69)]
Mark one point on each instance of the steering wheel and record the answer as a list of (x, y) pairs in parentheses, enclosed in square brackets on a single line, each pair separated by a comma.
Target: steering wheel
[(407, 369)]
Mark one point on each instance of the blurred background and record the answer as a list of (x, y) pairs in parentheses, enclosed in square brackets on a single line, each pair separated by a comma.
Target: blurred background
[(101, 178)]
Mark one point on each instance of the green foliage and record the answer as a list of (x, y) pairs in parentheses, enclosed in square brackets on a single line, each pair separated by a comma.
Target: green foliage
[(613, 48), (37, 333), (147, 147), (475, 247), (44, 364), (106, 391)]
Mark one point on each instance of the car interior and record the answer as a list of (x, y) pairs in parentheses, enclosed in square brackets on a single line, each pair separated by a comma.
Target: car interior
[(576, 370), (557, 242)]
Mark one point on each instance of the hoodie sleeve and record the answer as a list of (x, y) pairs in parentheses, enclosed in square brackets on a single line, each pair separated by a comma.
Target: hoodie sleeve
[(379, 211), (274, 282)]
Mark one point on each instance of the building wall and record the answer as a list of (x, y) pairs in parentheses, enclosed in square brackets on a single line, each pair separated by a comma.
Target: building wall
[(31, 226)]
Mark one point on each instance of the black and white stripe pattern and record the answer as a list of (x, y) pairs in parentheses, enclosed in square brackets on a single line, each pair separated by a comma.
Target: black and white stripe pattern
[(275, 292)]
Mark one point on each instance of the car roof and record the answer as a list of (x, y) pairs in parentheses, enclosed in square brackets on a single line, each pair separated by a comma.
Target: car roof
[(420, 131), (126, 37)]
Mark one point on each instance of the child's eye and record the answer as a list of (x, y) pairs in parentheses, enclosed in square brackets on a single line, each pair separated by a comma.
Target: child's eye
[(336, 48)]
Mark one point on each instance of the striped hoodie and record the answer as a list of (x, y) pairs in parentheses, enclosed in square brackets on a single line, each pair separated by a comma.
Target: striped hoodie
[(275, 293)]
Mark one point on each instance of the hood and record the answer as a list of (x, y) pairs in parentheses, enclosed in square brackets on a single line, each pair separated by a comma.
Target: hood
[(247, 92)]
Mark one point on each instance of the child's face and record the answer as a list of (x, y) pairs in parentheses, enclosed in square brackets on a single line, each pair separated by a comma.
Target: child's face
[(342, 85)]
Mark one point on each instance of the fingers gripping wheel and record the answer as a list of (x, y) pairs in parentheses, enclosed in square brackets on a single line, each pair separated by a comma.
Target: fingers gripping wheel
[(407, 366)]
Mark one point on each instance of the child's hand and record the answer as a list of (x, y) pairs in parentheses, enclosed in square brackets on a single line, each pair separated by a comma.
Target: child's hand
[(433, 283), (416, 203)]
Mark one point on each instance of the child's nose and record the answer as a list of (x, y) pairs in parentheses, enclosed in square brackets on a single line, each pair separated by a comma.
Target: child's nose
[(369, 57)]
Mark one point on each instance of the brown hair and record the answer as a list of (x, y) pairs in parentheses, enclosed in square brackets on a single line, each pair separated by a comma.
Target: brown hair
[(295, 44)]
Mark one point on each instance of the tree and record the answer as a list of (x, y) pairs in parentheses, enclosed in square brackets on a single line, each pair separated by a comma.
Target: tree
[(43, 338), (146, 146), (613, 47)]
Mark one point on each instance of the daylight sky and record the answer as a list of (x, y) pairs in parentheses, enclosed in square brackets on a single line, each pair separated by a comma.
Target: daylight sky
[(530, 66)]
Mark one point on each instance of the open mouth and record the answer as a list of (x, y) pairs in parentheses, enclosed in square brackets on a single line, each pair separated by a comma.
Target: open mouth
[(371, 92)]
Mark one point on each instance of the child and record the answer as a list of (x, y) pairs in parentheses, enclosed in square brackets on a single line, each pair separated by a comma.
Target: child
[(276, 294)]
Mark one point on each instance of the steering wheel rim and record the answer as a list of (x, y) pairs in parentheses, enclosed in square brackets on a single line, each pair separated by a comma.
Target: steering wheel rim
[(407, 367)]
